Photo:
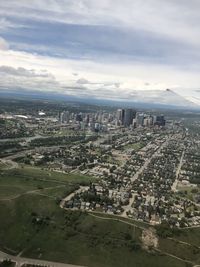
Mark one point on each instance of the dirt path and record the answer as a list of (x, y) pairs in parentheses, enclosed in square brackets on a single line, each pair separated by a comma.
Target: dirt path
[(37, 191), (117, 219), (182, 242), (174, 256), (140, 227)]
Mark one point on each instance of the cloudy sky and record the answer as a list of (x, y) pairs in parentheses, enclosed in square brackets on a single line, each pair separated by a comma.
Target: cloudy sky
[(107, 48)]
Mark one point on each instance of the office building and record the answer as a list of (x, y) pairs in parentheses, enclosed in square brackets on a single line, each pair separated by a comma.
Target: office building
[(129, 115), (64, 117)]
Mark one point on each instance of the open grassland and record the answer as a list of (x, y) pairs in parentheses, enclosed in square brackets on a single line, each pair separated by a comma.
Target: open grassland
[(185, 251), (191, 236), (135, 146), (35, 225), (37, 174), (24, 179), (113, 217), (16, 182)]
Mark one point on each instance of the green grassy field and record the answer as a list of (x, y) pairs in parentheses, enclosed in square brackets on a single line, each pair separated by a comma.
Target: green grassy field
[(128, 220), (191, 236), (182, 250), (23, 180), (72, 237), (38, 173), (33, 223), (135, 146)]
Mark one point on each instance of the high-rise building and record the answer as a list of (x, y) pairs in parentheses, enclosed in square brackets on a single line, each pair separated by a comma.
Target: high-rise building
[(79, 117), (140, 119), (129, 115), (159, 120), (148, 121), (64, 117), (87, 119), (120, 116)]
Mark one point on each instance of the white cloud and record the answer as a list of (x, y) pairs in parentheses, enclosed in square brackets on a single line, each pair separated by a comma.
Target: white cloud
[(6, 24), (12, 78), (48, 73), (24, 72), (3, 44), (82, 81), (174, 19)]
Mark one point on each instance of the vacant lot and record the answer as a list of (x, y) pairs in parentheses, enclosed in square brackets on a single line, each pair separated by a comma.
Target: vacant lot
[(135, 146)]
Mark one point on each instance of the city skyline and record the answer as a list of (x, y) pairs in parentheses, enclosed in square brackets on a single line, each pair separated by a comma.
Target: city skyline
[(99, 133)]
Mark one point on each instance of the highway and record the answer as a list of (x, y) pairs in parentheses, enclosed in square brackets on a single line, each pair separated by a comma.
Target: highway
[(22, 139)]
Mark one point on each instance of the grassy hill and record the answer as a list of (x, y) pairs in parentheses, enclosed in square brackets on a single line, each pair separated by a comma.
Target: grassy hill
[(32, 223)]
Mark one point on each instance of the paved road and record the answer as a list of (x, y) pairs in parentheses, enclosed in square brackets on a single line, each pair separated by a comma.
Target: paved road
[(22, 139), (67, 198), (21, 260)]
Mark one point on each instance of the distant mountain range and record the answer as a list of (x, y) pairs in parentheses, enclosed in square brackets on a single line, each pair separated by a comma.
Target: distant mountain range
[(140, 98), (163, 97)]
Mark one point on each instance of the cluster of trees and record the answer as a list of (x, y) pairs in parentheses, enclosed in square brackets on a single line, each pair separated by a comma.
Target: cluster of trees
[(60, 140), (164, 230), (9, 145), (40, 220), (89, 196), (13, 129), (7, 263)]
